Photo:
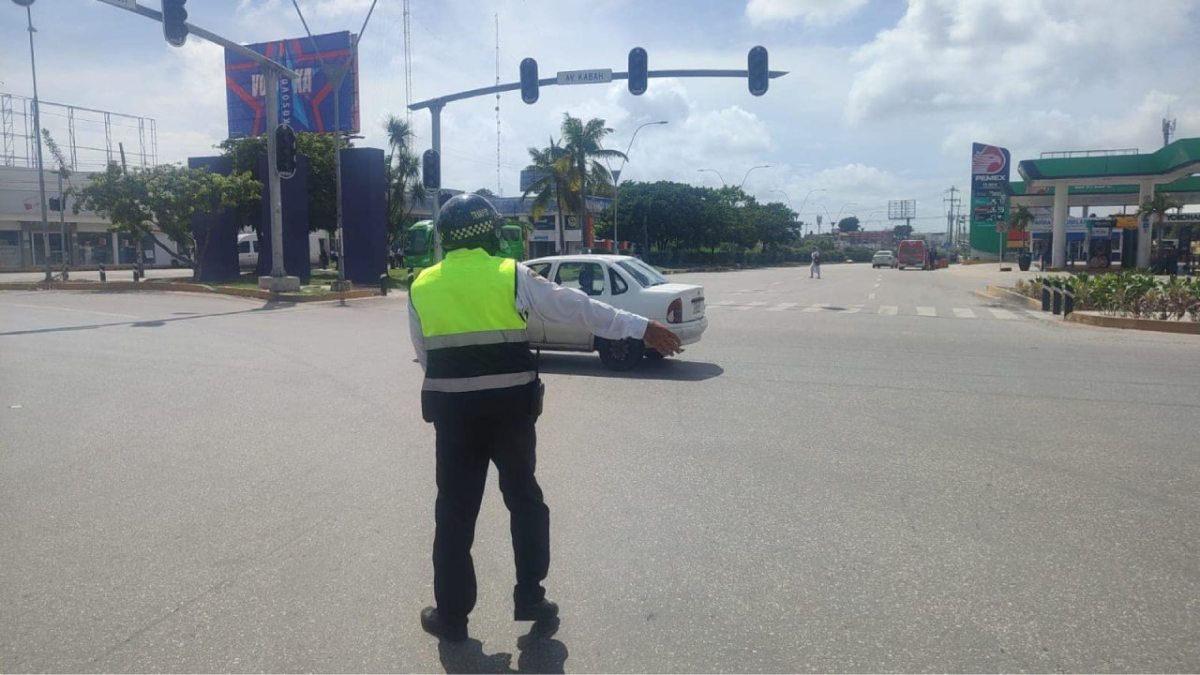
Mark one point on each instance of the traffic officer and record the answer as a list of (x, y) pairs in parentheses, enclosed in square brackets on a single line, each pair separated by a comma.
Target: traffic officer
[(467, 319)]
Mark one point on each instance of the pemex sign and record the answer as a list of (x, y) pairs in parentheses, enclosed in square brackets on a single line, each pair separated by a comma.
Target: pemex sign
[(990, 170)]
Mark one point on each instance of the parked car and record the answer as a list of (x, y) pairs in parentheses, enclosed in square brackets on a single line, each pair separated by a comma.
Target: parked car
[(883, 259), (249, 247), (625, 283), (912, 254)]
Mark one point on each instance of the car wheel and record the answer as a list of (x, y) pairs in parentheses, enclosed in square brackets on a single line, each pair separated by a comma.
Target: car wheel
[(620, 354)]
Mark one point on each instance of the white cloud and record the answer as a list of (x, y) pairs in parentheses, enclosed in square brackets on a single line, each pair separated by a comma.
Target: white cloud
[(812, 12), (945, 54)]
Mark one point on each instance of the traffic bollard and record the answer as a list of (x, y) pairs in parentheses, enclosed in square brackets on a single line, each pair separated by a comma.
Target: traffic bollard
[(103, 276), (1068, 303), (1057, 306), (1045, 298), (383, 284)]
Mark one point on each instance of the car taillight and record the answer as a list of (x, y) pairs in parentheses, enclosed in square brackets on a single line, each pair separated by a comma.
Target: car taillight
[(675, 311)]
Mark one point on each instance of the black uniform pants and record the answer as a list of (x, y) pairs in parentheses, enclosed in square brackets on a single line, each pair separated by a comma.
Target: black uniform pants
[(471, 432)]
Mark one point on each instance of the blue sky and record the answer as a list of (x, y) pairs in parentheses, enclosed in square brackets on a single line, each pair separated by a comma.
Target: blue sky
[(882, 101)]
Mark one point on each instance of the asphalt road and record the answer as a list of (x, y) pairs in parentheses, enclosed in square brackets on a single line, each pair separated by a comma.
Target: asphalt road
[(875, 471)]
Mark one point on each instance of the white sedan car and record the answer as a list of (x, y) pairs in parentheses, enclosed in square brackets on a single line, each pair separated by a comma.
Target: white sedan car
[(625, 283), (883, 259)]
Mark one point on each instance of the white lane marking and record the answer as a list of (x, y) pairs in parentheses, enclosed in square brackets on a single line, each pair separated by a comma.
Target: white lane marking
[(815, 308), (888, 310), (781, 306), (776, 283), (876, 286), (69, 309), (1003, 314), (740, 308), (963, 313), (756, 303), (720, 303), (854, 309), (926, 311), (871, 296)]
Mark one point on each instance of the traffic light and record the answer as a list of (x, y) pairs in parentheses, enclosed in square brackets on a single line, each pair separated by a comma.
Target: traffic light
[(759, 75), (637, 71), (529, 81), (174, 21), (431, 170), (285, 151), (54, 205)]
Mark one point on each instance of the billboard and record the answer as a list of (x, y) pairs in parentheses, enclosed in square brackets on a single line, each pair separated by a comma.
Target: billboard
[(307, 103), (990, 170)]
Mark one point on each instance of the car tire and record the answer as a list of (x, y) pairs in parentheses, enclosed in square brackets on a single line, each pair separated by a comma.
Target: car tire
[(620, 355)]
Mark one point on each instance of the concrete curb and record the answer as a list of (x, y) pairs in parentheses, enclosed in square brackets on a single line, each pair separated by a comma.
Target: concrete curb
[(172, 287), (1002, 293), (1097, 319)]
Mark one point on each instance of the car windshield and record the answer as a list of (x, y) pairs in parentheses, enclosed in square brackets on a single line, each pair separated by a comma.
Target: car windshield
[(642, 273), (884, 253)]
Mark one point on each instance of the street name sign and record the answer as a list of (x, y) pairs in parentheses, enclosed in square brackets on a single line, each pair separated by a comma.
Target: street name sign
[(595, 76)]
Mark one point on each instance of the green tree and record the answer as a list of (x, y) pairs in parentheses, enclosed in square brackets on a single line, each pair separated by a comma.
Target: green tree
[(484, 192), (166, 197), (902, 232), (583, 143), (848, 224), (405, 188)]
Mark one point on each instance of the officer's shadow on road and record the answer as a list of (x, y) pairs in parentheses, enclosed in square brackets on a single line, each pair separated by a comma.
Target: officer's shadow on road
[(538, 653), (676, 368)]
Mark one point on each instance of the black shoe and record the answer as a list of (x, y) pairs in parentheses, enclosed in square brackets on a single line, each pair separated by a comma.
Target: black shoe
[(433, 624), (542, 610)]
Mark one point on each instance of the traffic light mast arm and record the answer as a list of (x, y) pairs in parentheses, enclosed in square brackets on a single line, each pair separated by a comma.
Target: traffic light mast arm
[(213, 37), (547, 81)]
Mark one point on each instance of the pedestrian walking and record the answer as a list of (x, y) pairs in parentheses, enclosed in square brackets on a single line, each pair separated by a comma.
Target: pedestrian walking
[(482, 392), (815, 267)]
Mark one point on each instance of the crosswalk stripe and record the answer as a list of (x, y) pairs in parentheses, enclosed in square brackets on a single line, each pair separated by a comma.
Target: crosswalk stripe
[(1036, 314), (963, 313), (756, 303), (888, 310), (1003, 314), (852, 309), (781, 306), (814, 308), (740, 308), (720, 303), (926, 311)]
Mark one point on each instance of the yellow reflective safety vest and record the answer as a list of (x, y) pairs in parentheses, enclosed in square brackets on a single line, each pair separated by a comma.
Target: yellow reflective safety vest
[(474, 337)]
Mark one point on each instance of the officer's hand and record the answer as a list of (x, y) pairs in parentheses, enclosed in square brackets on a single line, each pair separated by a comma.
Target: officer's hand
[(660, 338)]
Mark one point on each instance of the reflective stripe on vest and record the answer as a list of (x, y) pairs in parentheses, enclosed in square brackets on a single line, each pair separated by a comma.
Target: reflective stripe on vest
[(474, 337)]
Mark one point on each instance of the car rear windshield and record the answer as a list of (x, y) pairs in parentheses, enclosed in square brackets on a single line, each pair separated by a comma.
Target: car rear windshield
[(644, 274)]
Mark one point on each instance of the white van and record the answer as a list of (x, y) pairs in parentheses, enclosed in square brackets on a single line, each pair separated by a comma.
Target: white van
[(248, 248)]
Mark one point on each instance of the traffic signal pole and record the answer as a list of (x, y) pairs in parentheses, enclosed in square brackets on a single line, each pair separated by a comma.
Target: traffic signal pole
[(435, 105), (278, 281)]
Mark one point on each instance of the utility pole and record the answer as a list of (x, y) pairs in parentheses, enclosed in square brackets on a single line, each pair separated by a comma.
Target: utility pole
[(952, 203)]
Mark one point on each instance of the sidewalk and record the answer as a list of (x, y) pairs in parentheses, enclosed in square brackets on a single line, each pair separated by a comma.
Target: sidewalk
[(94, 275)]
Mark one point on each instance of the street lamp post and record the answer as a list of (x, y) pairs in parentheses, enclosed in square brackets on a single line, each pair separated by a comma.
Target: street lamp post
[(617, 187), (747, 174), (37, 127), (719, 176)]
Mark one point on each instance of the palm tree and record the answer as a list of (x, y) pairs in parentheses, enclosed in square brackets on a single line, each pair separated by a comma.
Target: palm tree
[(584, 146), (405, 188), (552, 165), (1156, 207), (1020, 218)]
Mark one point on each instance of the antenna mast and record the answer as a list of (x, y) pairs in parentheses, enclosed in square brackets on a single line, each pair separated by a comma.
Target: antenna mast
[(407, 61), (499, 187)]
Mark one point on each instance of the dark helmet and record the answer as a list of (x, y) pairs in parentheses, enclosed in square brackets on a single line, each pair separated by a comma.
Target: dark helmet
[(468, 221)]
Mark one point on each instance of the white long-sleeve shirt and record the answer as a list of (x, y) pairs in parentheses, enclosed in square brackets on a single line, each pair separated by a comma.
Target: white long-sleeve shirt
[(554, 304)]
